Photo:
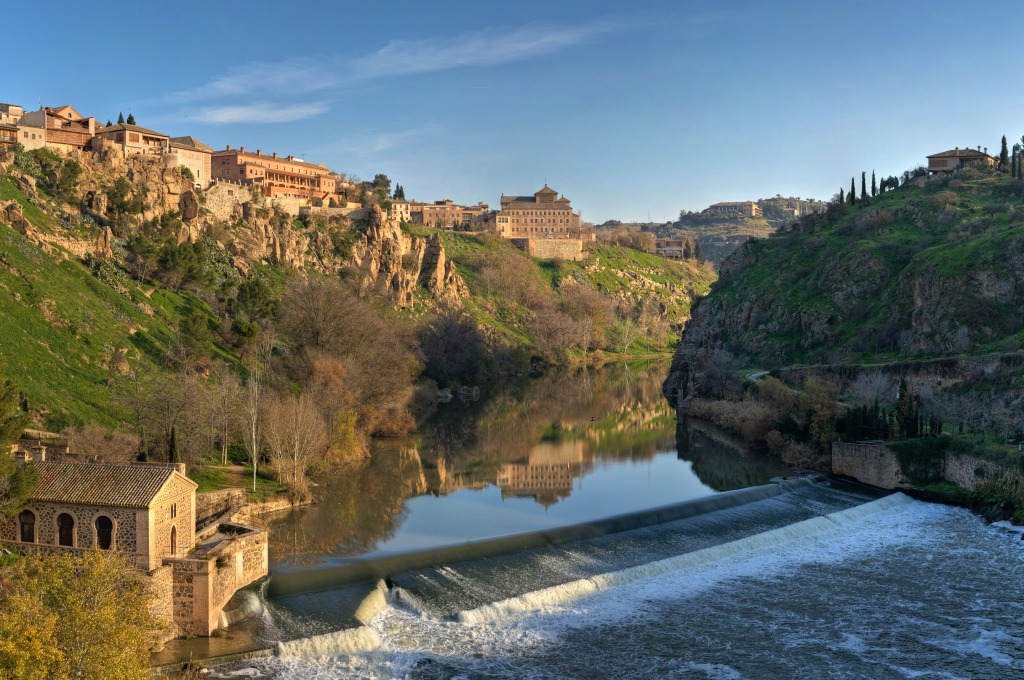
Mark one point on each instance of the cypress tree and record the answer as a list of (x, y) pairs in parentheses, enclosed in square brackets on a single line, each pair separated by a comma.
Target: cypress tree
[(874, 184), (842, 197), (853, 191), (1013, 163), (172, 447), (698, 254), (1004, 156), (863, 184), (131, 119), (108, 123), (120, 119)]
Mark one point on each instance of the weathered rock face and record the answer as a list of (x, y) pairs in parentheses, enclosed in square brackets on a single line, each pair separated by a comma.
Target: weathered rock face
[(12, 215), (394, 263), (159, 187)]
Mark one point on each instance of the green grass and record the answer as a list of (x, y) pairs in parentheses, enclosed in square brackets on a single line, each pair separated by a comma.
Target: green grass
[(60, 325), (214, 479)]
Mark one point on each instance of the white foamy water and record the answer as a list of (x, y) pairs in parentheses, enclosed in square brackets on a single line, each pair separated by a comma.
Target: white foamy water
[(891, 589)]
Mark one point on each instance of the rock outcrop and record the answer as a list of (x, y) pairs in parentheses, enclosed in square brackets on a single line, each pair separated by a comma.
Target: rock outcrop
[(396, 264)]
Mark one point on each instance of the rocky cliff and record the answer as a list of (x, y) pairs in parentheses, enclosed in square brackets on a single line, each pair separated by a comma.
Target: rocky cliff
[(117, 196), (919, 272)]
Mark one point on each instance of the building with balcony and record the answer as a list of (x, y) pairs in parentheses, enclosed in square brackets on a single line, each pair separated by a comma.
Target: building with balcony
[(132, 139), (65, 128), (279, 176)]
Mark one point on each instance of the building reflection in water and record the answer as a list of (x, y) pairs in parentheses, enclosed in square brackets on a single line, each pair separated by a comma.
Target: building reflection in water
[(547, 473)]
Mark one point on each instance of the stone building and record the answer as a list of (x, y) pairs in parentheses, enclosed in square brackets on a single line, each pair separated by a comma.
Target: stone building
[(65, 128), (543, 215), (132, 139), (194, 155), (400, 210), (147, 513), (279, 177), (743, 208), (10, 114), (948, 161)]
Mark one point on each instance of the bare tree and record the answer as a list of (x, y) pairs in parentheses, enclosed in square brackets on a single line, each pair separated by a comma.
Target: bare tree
[(98, 445), (228, 405), (256, 365), (873, 387), (296, 438)]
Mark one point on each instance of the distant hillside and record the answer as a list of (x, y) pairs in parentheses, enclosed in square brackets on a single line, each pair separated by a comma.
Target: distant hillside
[(719, 235), (916, 274)]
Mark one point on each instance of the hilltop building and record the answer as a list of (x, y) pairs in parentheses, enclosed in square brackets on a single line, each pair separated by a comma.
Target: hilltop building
[(446, 212), (543, 215), (948, 161), (65, 128), (285, 176), (189, 152), (131, 139), (673, 248), (146, 512), (742, 208)]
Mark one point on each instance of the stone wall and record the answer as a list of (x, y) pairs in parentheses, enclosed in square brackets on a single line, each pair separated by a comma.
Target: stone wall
[(290, 206), (161, 605), (551, 248), (877, 465), (206, 580), (313, 211), (125, 535), (211, 506), (870, 463), (224, 200)]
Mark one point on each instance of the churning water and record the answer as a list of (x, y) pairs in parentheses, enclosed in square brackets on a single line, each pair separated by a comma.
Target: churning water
[(823, 580)]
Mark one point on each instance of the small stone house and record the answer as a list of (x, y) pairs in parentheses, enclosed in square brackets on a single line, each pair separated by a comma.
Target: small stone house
[(146, 512), (132, 139), (954, 159)]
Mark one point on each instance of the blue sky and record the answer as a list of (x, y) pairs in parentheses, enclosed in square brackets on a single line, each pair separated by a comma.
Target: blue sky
[(629, 109)]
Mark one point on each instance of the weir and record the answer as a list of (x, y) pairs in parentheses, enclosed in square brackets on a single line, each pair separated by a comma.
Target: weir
[(325, 612)]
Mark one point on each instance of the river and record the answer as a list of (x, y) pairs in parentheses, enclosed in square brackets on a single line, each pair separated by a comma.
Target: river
[(747, 579)]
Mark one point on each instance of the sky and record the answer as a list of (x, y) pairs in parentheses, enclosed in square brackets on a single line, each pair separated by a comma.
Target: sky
[(633, 111)]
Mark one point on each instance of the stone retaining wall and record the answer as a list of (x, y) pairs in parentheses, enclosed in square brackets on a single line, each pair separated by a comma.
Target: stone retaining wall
[(212, 505), (551, 248)]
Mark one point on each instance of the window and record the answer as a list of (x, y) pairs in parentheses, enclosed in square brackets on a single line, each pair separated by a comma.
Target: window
[(104, 532), (174, 510), (174, 540), (65, 529), (28, 526)]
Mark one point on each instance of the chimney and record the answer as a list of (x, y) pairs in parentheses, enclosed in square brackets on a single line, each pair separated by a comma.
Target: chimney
[(275, 154), (979, 147), (241, 149), (258, 152), (986, 149), (229, 147)]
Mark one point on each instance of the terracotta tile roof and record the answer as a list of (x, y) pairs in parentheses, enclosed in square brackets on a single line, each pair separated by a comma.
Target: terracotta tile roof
[(271, 159), (190, 143), (961, 153), (729, 204), (125, 486), (119, 127)]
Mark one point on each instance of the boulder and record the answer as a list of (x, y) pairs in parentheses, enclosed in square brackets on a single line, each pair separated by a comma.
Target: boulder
[(103, 244), (189, 206)]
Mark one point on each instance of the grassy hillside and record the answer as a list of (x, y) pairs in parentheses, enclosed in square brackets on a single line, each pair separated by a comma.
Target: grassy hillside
[(918, 272), (67, 333)]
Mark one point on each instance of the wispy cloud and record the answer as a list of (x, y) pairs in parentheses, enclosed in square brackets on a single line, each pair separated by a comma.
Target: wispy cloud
[(260, 112), (246, 93), (407, 57)]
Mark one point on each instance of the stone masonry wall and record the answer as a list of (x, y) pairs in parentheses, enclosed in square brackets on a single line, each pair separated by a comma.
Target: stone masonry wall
[(213, 504), (551, 248), (872, 464)]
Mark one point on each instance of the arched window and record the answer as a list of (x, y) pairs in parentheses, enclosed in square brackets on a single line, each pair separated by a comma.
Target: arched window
[(28, 526), (174, 510), (104, 532), (174, 540), (65, 529)]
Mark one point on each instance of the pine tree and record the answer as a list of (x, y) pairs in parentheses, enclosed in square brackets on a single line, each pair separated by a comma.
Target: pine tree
[(1004, 156), (874, 185), (863, 184), (131, 119), (853, 191), (108, 123), (120, 119)]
